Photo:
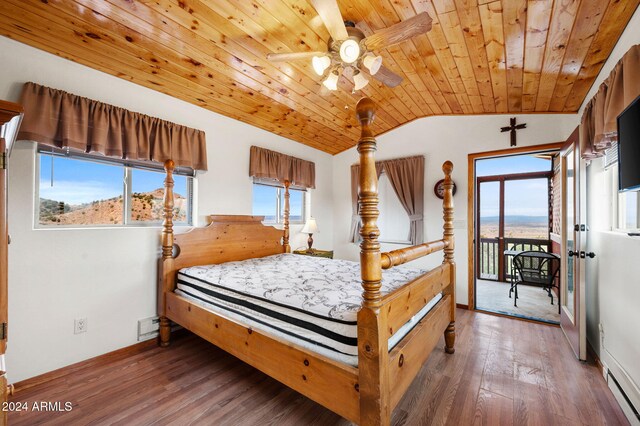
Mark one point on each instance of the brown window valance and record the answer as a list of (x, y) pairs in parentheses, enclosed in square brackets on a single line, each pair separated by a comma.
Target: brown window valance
[(598, 127), (267, 164), (57, 118)]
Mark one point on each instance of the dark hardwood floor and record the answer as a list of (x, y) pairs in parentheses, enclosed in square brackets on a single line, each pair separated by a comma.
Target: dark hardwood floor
[(503, 372)]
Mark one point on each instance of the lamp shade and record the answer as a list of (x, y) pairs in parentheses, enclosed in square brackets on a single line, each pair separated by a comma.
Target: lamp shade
[(331, 82), (359, 81), (372, 63), (320, 64), (311, 227)]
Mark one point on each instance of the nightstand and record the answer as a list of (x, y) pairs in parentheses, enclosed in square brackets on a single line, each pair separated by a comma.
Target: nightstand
[(315, 253)]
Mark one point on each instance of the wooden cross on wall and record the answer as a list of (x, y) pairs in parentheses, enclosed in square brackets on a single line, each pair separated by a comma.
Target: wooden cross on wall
[(512, 128)]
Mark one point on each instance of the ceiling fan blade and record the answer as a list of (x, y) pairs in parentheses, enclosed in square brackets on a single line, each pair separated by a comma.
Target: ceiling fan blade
[(419, 24), (330, 14), (296, 56), (388, 77)]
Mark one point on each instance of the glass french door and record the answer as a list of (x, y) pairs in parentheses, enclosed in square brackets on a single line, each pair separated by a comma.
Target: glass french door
[(490, 230), (574, 239), (501, 218)]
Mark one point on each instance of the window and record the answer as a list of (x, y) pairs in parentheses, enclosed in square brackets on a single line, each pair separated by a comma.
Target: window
[(76, 190), (393, 221), (626, 205), (268, 201), (629, 211)]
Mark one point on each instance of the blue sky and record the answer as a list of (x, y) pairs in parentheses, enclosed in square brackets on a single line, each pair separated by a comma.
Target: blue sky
[(77, 181), (523, 197), (264, 201)]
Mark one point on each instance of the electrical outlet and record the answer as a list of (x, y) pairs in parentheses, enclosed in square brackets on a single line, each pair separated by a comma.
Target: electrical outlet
[(79, 325)]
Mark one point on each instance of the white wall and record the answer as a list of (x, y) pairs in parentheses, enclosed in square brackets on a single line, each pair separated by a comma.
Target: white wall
[(108, 275), (613, 283), (440, 139)]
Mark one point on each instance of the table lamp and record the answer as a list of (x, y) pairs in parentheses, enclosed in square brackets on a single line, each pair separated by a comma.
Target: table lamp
[(311, 227)]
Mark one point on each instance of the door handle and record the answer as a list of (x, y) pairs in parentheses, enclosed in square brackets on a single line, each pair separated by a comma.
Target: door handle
[(590, 255), (573, 253)]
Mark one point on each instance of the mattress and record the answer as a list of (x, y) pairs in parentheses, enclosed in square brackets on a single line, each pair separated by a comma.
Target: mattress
[(307, 300)]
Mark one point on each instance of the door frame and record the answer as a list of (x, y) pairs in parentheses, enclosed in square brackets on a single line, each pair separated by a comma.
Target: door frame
[(471, 202), (8, 111)]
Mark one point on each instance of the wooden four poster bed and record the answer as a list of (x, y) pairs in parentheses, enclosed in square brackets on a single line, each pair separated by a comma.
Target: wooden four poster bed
[(367, 391)]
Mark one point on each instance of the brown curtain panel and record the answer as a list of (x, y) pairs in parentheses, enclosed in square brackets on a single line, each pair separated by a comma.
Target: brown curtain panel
[(406, 176), (598, 127), (267, 164), (63, 120), (412, 190)]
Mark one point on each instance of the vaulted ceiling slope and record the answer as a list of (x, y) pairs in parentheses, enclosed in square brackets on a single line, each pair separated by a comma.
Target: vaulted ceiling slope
[(480, 57)]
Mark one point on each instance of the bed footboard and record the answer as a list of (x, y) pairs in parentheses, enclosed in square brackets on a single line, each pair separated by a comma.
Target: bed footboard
[(384, 376)]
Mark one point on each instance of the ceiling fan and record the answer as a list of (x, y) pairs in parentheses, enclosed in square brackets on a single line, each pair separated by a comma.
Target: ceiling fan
[(350, 52)]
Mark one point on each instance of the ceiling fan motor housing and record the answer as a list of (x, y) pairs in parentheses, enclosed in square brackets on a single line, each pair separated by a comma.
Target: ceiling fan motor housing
[(354, 34)]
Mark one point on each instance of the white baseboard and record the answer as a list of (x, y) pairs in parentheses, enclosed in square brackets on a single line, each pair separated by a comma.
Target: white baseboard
[(624, 389)]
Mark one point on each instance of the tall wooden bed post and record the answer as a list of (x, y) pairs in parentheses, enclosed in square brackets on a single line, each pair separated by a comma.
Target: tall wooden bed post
[(373, 352), (166, 274), (374, 368), (450, 332), (285, 237)]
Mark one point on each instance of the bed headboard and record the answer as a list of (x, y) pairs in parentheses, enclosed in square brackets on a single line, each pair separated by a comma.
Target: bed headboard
[(225, 239)]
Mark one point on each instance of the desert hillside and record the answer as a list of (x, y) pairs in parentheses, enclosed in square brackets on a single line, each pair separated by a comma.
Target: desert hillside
[(145, 207)]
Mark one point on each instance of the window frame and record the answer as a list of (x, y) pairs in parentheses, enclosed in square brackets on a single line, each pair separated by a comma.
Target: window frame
[(280, 201), (128, 166), (621, 226), (617, 224)]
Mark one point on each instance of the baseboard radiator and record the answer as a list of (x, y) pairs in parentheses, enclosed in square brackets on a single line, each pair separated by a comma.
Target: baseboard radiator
[(624, 390)]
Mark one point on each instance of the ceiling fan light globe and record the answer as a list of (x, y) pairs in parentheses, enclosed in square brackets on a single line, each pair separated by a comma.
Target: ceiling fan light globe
[(349, 51), (360, 81), (373, 63), (331, 82), (320, 64)]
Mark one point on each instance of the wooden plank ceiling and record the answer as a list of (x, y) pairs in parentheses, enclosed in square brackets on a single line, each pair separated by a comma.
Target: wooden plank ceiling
[(481, 57)]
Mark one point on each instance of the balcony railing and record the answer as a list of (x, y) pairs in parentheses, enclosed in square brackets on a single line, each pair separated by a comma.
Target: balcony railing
[(494, 265)]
